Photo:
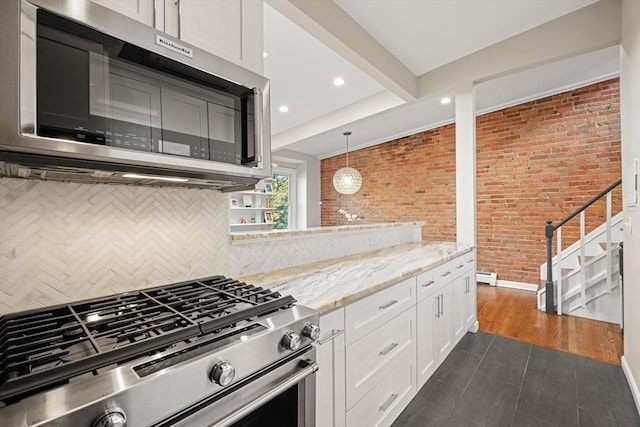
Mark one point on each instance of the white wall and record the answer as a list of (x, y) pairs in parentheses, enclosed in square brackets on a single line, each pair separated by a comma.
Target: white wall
[(630, 126)]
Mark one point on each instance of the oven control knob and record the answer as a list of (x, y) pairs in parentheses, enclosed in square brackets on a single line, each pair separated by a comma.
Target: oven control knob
[(113, 417), (291, 341), (222, 373), (311, 331)]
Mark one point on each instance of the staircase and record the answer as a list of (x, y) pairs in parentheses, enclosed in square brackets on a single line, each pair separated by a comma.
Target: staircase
[(587, 275)]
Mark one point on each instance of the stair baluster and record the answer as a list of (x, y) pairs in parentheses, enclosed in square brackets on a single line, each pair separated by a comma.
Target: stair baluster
[(553, 297)]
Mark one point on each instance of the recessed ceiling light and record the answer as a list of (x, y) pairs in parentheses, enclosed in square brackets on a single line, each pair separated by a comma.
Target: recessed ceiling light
[(338, 81), (265, 54), (445, 100), (283, 109)]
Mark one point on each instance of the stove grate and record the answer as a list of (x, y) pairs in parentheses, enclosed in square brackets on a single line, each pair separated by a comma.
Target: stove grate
[(44, 347)]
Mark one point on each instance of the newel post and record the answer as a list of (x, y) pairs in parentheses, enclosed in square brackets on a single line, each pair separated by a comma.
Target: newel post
[(549, 305)]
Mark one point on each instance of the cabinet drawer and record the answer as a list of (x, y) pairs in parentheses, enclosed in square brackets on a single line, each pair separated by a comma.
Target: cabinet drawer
[(462, 264), (381, 406), (370, 358), (375, 310), (430, 280)]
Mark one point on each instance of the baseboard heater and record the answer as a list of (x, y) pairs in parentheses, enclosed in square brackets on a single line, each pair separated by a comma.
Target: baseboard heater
[(484, 277)]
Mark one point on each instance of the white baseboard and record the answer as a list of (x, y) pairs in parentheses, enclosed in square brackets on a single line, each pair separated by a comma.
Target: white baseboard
[(517, 285), (632, 382)]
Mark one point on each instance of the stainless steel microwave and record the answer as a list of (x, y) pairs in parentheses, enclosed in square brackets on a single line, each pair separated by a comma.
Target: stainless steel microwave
[(90, 94)]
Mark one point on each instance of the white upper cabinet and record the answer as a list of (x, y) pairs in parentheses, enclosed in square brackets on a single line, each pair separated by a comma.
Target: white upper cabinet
[(232, 30), (140, 10)]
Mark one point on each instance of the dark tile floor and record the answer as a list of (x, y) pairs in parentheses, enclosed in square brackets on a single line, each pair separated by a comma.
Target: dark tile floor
[(489, 380)]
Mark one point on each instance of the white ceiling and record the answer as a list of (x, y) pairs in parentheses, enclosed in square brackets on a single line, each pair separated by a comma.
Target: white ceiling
[(422, 35), (425, 34)]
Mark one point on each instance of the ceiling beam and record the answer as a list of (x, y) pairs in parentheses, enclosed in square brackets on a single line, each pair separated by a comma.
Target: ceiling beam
[(366, 107), (591, 28), (331, 25)]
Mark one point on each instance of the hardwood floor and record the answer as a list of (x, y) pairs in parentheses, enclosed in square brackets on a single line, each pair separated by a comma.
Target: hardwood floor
[(513, 313)]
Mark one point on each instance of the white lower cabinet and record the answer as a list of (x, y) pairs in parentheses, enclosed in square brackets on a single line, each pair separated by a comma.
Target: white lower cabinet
[(463, 310), (443, 328), (372, 357), (330, 379), (384, 403), (394, 340), (427, 353)]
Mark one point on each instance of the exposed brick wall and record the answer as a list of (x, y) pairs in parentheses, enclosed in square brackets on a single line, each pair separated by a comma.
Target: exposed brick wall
[(409, 179), (535, 161), (539, 160)]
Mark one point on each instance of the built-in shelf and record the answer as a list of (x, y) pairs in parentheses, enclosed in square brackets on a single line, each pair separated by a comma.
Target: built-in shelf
[(240, 215)]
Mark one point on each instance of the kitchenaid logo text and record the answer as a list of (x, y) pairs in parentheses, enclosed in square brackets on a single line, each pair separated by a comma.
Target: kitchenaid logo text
[(176, 47)]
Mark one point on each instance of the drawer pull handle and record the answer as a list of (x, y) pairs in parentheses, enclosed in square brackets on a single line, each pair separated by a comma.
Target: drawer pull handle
[(387, 305), (388, 349), (388, 403), (445, 274), (460, 266), (470, 260), (429, 283), (334, 333)]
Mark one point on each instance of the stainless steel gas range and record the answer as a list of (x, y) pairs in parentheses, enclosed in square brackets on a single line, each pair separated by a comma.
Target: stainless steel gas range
[(214, 351)]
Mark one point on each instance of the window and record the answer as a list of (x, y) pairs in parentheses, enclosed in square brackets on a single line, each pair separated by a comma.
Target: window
[(283, 199)]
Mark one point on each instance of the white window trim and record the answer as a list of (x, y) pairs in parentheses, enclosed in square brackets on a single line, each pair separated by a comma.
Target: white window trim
[(293, 205)]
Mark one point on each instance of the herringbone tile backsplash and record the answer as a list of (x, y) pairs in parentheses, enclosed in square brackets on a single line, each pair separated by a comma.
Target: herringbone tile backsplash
[(63, 241)]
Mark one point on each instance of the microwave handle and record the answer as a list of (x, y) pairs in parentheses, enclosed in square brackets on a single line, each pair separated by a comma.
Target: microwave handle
[(257, 124)]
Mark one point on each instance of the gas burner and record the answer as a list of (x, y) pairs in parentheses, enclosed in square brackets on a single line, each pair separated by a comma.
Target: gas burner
[(52, 345), (72, 330)]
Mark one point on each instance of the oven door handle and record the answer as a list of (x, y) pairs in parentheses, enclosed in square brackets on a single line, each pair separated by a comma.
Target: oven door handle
[(279, 388)]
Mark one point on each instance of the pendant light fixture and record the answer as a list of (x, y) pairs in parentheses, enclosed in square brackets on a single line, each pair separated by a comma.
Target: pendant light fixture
[(347, 180)]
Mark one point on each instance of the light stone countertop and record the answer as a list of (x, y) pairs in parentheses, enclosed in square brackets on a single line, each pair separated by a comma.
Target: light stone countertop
[(317, 230), (326, 285)]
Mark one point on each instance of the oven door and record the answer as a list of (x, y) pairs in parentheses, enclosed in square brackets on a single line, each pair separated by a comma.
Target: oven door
[(280, 395)]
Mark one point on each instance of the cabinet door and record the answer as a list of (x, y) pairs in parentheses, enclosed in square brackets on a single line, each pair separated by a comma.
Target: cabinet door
[(470, 300), (140, 10), (330, 381), (426, 344), (444, 325), (463, 304), (230, 29), (459, 307)]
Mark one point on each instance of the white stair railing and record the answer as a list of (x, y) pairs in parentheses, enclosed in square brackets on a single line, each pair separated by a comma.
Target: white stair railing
[(553, 297)]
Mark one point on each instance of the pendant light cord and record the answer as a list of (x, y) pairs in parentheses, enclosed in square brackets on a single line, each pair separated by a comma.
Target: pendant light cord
[(347, 133)]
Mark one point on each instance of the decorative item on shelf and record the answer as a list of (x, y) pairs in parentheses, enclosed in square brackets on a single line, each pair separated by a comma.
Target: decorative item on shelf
[(268, 217), (349, 216), (269, 202), (243, 220), (234, 203), (267, 187), (253, 220), (347, 180), (247, 201)]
